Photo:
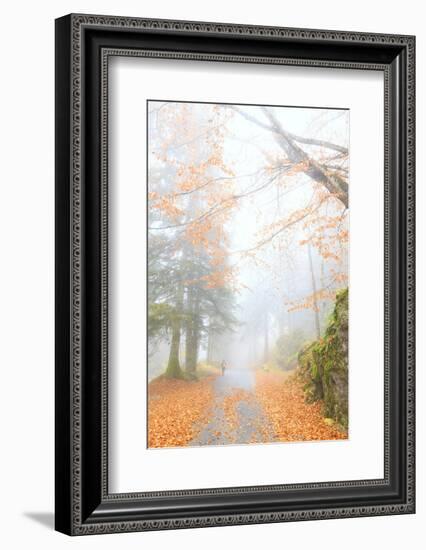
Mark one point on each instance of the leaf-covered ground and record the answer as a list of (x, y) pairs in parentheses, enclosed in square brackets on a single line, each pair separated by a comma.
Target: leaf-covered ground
[(293, 419), (236, 408), (177, 410)]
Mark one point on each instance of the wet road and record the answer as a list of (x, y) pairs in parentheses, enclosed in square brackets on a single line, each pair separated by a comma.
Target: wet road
[(236, 417)]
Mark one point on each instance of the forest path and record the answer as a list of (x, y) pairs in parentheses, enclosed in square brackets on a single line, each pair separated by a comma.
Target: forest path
[(237, 416)]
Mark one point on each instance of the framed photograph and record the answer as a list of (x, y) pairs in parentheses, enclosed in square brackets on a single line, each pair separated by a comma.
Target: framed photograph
[(234, 274)]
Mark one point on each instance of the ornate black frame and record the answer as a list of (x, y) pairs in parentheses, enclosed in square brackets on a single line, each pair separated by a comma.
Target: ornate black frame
[(83, 46)]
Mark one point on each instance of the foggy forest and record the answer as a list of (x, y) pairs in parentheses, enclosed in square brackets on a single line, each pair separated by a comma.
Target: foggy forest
[(248, 232)]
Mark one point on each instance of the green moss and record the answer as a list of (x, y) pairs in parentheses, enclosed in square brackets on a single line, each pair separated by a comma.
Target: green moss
[(173, 369), (323, 364)]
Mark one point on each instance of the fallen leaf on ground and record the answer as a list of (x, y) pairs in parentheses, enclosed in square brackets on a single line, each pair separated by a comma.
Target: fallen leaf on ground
[(283, 401), (177, 410)]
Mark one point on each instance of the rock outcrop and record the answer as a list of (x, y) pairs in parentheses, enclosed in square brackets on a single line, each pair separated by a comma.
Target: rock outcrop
[(323, 365)]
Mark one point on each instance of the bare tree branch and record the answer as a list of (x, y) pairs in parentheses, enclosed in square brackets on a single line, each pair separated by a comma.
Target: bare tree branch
[(221, 205), (333, 182), (285, 226), (294, 137)]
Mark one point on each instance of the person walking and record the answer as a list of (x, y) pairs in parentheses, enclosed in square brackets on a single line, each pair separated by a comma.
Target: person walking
[(223, 366)]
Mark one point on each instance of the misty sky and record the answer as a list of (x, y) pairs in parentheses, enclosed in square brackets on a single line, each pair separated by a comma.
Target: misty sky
[(280, 271)]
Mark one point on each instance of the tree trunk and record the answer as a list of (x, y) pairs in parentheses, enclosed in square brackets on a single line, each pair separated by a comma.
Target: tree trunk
[(322, 305), (188, 327), (191, 350), (281, 322), (173, 367), (192, 332), (332, 181), (252, 346), (290, 321), (314, 291), (266, 339), (210, 346)]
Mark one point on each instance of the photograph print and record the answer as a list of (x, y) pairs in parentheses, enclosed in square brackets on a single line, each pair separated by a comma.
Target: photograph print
[(247, 267)]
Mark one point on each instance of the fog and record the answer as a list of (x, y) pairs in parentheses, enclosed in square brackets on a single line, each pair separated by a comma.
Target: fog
[(280, 227)]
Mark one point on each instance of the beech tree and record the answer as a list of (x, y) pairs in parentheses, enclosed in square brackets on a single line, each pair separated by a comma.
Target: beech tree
[(194, 198)]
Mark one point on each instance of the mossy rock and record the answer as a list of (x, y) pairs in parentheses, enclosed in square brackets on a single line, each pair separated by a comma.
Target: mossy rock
[(310, 372), (323, 364)]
